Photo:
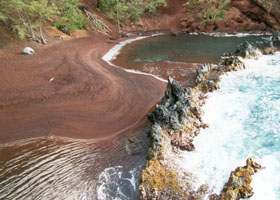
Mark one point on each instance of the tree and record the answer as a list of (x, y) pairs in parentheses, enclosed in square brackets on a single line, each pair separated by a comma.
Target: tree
[(23, 16)]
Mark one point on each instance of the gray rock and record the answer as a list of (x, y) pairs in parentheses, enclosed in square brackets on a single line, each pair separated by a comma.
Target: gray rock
[(171, 112), (246, 49), (276, 39), (156, 140)]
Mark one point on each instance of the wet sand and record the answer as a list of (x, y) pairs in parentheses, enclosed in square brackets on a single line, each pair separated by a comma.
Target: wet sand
[(68, 90)]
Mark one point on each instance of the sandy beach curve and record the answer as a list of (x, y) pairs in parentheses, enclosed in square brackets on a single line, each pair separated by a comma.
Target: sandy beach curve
[(68, 90)]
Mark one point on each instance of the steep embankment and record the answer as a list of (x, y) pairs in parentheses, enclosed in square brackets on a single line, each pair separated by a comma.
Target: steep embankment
[(240, 16)]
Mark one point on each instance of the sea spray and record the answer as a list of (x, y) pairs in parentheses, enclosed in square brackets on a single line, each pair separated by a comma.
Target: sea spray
[(116, 183), (244, 121)]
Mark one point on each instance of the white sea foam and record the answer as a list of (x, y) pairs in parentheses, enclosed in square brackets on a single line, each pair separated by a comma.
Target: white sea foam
[(217, 34), (184, 63), (117, 184), (243, 117), (115, 51)]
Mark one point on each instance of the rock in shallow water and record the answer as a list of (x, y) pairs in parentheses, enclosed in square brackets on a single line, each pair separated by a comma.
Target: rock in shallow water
[(174, 111), (238, 185)]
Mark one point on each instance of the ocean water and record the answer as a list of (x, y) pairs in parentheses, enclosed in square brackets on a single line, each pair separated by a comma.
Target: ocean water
[(187, 48), (243, 117), (244, 121)]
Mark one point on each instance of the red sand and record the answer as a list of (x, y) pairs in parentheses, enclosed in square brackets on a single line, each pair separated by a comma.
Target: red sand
[(86, 99)]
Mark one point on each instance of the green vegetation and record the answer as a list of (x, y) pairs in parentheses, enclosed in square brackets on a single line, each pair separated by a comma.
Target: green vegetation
[(213, 10), (128, 10), (270, 5), (23, 16), (71, 17)]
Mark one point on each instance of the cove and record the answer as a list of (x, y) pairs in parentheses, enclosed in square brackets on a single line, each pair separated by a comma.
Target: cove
[(179, 56), (173, 64), (185, 48)]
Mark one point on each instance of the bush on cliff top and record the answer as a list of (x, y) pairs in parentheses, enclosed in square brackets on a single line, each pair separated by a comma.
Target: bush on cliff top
[(124, 10), (213, 11)]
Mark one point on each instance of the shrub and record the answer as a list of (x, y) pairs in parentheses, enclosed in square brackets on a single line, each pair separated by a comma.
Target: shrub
[(124, 10), (22, 16), (215, 10)]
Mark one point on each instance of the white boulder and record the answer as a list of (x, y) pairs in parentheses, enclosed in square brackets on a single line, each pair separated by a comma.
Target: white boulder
[(28, 51)]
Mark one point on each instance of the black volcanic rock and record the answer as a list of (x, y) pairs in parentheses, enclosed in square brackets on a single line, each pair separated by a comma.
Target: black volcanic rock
[(246, 49), (171, 112), (276, 39)]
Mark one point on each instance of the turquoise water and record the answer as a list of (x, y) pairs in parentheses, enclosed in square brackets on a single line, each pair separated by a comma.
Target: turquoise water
[(244, 121), (191, 48)]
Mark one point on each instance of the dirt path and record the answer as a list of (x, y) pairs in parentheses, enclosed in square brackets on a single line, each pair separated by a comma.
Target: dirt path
[(68, 90)]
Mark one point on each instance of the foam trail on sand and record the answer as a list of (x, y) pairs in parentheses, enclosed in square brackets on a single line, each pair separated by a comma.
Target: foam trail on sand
[(114, 52), (244, 121)]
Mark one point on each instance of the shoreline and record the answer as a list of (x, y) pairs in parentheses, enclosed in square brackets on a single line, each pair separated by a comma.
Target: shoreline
[(14, 59), (176, 121), (84, 91)]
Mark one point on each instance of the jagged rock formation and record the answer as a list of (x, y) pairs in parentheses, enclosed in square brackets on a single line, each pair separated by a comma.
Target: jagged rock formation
[(175, 112), (248, 50), (177, 120), (238, 185), (276, 39)]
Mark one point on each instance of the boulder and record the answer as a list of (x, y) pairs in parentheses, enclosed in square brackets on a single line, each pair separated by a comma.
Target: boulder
[(246, 50), (276, 39), (170, 113), (28, 51), (238, 185)]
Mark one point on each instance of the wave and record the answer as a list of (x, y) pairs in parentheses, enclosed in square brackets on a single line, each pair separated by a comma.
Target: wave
[(116, 183), (243, 117), (217, 34)]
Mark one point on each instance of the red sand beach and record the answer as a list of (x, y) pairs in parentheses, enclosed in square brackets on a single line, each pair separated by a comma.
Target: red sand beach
[(68, 90)]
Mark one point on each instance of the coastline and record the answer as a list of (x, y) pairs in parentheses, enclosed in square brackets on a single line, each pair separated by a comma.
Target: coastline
[(175, 123), (83, 62), (84, 97)]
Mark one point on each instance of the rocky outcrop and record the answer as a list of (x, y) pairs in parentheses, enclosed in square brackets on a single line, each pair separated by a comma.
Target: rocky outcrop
[(253, 49), (175, 123), (175, 112), (276, 39), (238, 185)]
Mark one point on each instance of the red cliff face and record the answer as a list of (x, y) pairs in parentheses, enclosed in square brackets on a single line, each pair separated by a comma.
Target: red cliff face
[(242, 16)]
